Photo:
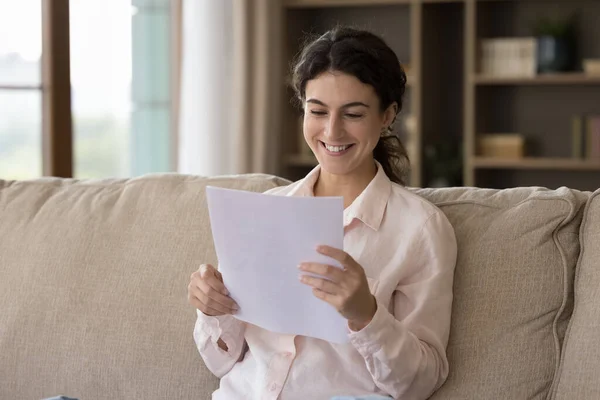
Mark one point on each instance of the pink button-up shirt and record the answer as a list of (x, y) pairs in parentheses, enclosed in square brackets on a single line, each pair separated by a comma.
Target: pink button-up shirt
[(408, 250)]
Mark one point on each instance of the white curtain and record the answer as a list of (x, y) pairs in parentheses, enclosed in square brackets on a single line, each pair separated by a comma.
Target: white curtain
[(205, 127), (231, 86)]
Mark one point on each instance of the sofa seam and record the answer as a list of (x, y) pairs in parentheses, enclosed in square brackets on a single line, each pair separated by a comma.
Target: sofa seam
[(461, 202), (560, 368), (565, 294)]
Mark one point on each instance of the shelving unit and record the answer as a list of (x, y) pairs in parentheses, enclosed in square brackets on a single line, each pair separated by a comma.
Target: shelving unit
[(537, 163), (540, 108), (340, 3), (549, 79), (451, 102), (406, 26)]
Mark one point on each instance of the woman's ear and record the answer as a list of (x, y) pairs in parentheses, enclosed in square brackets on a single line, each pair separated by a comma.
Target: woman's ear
[(390, 115)]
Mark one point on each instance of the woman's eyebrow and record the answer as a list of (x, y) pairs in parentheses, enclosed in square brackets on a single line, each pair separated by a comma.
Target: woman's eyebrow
[(348, 105)]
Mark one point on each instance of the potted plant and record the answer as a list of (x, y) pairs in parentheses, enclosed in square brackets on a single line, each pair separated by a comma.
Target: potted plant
[(443, 163), (555, 44)]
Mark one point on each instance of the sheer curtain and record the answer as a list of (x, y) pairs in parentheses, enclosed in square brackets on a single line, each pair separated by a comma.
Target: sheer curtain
[(205, 127), (231, 87)]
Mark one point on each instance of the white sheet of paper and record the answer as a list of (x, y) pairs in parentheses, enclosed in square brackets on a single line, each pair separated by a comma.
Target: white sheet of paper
[(260, 240)]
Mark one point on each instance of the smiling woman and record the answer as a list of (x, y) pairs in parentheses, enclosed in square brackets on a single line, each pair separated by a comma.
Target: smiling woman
[(398, 256)]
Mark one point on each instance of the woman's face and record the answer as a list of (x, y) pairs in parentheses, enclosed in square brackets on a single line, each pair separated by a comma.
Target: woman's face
[(343, 122)]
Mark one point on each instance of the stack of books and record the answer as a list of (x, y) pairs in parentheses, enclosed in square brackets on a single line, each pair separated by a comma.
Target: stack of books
[(508, 57), (586, 137)]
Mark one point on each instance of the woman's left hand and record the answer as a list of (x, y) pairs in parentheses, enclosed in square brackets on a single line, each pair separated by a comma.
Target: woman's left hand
[(346, 289)]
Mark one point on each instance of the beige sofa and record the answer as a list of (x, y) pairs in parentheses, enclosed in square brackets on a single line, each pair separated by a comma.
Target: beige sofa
[(94, 282)]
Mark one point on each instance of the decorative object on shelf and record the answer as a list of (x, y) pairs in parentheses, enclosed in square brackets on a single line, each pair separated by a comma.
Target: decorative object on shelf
[(586, 137), (555, 44), (508, 57), (501, 145), (443, 164), (591, 66)]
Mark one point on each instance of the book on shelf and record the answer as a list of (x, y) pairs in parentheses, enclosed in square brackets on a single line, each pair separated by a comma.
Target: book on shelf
[(508, 57), (586, 137)]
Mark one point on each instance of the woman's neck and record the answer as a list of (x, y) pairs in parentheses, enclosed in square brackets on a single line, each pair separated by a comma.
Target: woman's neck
[(348, 186)]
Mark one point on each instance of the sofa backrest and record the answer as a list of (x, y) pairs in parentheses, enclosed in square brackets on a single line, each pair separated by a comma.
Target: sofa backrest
[(94, 286)]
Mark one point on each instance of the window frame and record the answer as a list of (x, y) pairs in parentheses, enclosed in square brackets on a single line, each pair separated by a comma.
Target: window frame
[(55, 87), (57, 124)]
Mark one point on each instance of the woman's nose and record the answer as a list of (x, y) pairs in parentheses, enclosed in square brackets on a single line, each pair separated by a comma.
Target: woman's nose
[(334, 128)]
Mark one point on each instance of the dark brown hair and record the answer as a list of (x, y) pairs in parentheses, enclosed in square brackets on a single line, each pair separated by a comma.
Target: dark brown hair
[(367, 57)]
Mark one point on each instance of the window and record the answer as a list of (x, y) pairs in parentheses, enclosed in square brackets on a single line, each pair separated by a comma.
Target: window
[(117, 81), (20, 89)]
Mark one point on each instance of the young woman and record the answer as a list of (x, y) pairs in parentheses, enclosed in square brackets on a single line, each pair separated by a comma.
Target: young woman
[(399, 252)]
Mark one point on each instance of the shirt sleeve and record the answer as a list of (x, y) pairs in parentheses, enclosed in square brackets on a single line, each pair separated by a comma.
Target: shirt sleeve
[(405, 352), (208, 330)]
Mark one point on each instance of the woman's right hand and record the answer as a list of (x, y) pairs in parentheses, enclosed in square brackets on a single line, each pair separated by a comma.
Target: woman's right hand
[(208, 294)]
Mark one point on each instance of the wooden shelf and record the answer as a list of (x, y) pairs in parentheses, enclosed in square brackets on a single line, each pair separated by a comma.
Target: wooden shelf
[(341, 3), (300, 160), (358, 3), (545, 79), (540, 163)]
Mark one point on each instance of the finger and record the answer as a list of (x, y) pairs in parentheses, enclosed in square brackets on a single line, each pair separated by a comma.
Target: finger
[(321, 284), (214, 278), (210, 303), (216, 296), (218, 275), (335, 274), (337, 254), (211, 312), (193, 298), (327, 297)]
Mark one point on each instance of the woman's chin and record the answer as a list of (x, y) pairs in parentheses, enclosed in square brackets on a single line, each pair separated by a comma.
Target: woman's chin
[(334, 167)]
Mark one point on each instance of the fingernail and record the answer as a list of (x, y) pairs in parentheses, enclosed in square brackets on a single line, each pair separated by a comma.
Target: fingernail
[(226, 292), (300, 266)]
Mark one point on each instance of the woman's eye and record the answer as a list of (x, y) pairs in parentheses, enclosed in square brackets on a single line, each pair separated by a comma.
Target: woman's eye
[(316, 112), (353, 115)]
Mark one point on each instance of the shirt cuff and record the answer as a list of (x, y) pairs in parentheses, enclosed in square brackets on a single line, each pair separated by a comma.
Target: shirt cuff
[(368, 339), (209, 328)]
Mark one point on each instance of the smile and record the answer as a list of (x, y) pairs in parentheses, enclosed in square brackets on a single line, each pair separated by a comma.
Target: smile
[(336, 150)]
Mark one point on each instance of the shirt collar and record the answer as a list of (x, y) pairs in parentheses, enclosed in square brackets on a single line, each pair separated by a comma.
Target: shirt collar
[(368, 207)]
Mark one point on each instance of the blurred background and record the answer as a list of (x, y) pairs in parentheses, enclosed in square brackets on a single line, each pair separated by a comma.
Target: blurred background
[(501, 93)]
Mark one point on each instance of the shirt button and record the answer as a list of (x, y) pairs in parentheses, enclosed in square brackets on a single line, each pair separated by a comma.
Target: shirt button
[(273, 387), (288, 354)]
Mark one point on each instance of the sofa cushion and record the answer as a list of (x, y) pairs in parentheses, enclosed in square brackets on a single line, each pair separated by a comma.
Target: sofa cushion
[(517, 250), (580, 366), (94, 286)]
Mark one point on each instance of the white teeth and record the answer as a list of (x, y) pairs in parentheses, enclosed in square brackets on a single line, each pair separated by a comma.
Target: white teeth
[(335, 149)]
